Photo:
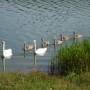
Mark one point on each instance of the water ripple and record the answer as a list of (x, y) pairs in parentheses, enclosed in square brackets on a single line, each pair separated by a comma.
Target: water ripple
[(26, 20)]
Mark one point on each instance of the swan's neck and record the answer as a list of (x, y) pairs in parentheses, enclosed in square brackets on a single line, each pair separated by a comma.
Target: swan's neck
[(61, 37), (3, 47), (34, 45), (74, 34)]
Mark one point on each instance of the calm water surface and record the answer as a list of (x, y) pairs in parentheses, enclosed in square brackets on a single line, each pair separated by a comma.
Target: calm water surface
[(26, 20)]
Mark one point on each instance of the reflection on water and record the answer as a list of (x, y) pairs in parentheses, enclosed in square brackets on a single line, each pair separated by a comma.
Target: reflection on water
[(26, 20)]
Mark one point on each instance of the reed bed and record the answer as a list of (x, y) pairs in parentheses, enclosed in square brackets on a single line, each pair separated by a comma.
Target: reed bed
[(73, 58)]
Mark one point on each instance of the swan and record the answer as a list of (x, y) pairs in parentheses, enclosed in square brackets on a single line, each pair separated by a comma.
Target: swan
[(28, 47), (7, 53), (77, 35), (59, 41), (64, 38), (39, 51), (45, 43)]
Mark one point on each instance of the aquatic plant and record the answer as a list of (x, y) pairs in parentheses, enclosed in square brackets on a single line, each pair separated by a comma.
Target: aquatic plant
[(73, 58)]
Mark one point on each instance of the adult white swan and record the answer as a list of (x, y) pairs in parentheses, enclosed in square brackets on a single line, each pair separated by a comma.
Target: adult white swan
[(7, 53), (39, 51)]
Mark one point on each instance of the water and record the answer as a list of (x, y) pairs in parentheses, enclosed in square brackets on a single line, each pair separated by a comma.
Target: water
[(26, 20)]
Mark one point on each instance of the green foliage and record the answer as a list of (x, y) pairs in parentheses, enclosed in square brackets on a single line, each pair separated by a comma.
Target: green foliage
[(42, 81), (81, 80), (74, 58)]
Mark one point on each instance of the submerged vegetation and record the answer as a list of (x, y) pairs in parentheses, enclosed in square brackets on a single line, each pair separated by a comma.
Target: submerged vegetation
[(74, 58)]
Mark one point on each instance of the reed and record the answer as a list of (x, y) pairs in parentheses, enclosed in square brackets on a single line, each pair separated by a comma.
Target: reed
[(73, 58)]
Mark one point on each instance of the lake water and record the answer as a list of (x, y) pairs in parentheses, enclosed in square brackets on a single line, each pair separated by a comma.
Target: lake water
[(26, 20)]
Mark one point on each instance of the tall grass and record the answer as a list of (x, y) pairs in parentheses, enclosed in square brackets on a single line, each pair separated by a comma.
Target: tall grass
[(42, 81), (74, 58)]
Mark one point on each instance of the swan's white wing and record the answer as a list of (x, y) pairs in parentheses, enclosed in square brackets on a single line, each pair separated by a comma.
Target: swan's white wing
[(41, 51), (7, 52)]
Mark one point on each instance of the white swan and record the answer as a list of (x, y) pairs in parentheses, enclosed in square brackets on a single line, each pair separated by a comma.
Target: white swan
[(7, 53), (39, 51)]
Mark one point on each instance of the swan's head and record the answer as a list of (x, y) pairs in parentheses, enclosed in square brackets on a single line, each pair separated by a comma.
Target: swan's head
[(34, 41)]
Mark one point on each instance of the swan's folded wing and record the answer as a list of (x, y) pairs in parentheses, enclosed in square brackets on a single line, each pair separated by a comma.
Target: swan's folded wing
[(7, 52), (41, 51)]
